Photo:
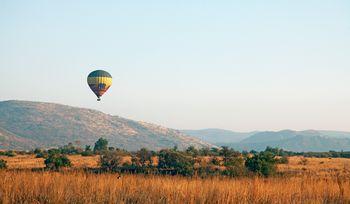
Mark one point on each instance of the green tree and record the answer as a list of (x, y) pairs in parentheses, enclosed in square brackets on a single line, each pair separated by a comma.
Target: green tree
[(205, 151), (191, 150), (175, 162), (263, 163), (227, 153), (57, 161), (101, 145), (10, 153), (88, 148)]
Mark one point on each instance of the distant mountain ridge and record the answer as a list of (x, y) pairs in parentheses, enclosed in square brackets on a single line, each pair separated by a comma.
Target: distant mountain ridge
[(308, 140), (215, 135), (26, 125)]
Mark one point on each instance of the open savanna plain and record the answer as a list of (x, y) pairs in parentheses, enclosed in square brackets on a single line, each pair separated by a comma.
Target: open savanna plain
[(310, 180)]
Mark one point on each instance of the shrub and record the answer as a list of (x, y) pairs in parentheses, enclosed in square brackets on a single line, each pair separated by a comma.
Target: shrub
[(54, 151), (228, 153), (145, 157), (111, 161), (57, 161), (41, 155), (3, 164), (216, 161), (174, 162), (234, 166), (10, 153), (192, 151), (282, 160), (70, 149), (263, 163), (38, 150), (101, 145), (87, 153)]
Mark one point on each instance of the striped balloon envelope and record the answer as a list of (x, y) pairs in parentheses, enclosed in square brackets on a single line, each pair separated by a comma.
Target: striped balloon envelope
[(99, 82)]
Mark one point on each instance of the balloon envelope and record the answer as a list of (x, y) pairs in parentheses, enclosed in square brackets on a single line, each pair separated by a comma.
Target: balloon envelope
[(99, 82)]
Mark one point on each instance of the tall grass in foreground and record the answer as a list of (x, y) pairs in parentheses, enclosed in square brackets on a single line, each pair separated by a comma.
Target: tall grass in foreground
[(80, 187)]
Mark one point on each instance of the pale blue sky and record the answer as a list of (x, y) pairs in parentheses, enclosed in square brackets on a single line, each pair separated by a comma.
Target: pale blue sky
[(239, 65)]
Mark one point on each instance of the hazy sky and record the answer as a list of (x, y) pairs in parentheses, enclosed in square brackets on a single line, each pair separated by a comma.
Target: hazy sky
[(239, 65)]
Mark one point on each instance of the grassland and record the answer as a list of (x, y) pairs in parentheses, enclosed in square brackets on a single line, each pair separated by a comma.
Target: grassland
[(312, 181)]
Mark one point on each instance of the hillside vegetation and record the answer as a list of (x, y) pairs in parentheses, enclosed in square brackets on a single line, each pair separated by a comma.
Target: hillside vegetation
[(26, 125)]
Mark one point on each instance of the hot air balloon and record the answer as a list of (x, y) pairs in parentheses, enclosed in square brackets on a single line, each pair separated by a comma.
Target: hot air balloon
[(99, 82)]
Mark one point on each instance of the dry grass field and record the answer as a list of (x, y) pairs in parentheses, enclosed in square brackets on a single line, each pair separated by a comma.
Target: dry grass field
[(312, 181), (79, 187), (315, 166), (30, 162)]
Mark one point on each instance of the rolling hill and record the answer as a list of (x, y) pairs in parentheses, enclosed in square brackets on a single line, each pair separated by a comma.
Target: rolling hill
[(299, 141), (217, 136), (308, 140), (25, 125)]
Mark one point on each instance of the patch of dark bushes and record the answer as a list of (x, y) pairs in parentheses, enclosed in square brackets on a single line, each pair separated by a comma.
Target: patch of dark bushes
[(3, 164)]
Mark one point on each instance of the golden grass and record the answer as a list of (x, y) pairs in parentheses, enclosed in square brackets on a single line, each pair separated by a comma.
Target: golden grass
[(315, 166), (79, 187), (318, 180), (30, 162), (23, 162)]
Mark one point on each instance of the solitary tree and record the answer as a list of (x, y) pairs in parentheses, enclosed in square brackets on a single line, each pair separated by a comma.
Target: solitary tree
[(101, 145)]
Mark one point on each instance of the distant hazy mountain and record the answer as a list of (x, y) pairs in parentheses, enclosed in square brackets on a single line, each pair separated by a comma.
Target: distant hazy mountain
[(25, 125), (309, 140), (217, 136)]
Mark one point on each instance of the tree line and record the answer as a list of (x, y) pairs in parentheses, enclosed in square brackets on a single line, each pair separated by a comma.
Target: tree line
[(202, 162)]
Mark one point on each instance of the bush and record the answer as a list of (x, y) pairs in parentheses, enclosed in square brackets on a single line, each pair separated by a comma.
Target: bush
[(37, 150), (111, 161), (263, 163), (87, 153), (101, 145), (3, 164), (10, 153), (57, 161), (41, 155), (174, 162), (228, 153), (283, 160), (215, 161), (145, 157), (205, 151), (234, 167), (192, 151), (70, 149)]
